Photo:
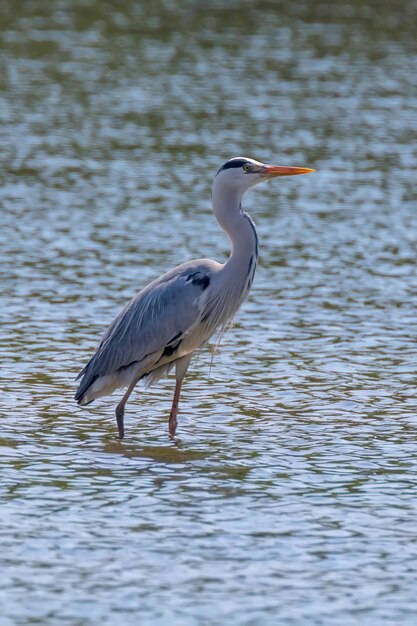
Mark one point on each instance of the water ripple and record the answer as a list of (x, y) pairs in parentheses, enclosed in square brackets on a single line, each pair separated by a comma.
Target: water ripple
[(289, 494)]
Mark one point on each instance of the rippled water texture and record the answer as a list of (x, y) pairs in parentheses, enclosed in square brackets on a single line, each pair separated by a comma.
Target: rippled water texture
[(289, 496)]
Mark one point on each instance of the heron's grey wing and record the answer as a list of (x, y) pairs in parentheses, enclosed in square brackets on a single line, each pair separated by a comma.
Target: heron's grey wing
[(156, 320)]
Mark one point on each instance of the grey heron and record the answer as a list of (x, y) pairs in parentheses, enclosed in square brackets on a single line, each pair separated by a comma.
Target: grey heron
[(166, 322)]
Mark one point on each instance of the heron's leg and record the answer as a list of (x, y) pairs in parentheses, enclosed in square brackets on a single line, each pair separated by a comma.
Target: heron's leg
[(172, 424), (181, 367), (120, 409)]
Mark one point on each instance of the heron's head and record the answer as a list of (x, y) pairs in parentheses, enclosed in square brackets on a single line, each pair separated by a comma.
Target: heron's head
[(241, 173)]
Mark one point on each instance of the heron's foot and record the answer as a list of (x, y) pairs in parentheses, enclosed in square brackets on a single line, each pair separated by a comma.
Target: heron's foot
[(120, 412), (172, 424)]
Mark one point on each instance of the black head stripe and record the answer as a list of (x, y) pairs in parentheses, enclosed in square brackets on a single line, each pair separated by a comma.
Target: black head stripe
[(233, 163)]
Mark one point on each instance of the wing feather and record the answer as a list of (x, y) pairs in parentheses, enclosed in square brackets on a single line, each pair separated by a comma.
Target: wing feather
[(154, 320)]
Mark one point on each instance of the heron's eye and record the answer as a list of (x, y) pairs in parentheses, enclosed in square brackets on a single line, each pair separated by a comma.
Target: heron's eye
[(246, 167)]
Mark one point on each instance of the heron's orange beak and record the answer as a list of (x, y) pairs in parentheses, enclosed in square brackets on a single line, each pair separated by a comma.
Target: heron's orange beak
[(281, 170)]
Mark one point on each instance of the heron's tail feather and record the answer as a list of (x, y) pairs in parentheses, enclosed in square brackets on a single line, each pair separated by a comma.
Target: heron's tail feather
[(84, 402), (87, 379), (80, 374), (93, 387)]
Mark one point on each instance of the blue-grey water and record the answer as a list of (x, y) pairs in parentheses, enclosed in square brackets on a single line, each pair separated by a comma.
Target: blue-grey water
[(289, 496)]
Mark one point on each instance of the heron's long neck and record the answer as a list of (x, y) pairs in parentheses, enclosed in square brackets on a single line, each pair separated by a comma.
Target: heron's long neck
[(235, 278), (239, 228)]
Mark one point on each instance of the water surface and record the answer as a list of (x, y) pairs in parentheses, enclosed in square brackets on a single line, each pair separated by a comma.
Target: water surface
[(289, 496)]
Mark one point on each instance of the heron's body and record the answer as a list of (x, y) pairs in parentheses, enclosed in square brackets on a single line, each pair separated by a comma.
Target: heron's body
[(177, 313)]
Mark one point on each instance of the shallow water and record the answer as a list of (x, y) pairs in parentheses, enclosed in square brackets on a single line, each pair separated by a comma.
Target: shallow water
[(289, 496)]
